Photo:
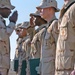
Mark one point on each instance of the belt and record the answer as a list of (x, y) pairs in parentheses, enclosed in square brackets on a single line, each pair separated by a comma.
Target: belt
[(70, 69), (2, 28)]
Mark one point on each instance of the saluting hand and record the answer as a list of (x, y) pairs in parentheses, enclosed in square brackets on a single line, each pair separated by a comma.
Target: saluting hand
[(14, 17)]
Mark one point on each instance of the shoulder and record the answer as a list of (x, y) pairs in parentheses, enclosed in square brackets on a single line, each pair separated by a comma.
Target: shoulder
[(41, 32), (72, 8), (43, 27), (55, 22), (54, 25), (28, 41), (35, 38), (70, 14)]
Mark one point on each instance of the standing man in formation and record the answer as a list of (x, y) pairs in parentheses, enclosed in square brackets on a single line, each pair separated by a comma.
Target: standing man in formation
[(24, 47), (16, 59), (17, 30), (5, 32), (57, 52), (35, 44), (65, 51), (48, 36)]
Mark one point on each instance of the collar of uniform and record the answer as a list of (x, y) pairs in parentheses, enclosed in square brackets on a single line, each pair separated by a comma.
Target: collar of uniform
[(53, 18), (19, 40), (40, 27), (26, 37), (71, 1)]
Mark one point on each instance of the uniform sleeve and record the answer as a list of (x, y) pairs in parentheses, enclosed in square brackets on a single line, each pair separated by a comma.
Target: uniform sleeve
[(10, 28), (16, 54), (34, 44), (72, 15), (28, 48), (54, 29)]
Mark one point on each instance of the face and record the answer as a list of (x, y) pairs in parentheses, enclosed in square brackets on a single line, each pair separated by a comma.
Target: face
[(17, 31), (44, 13), (5, 12), (31, 21), (23, 33), (36, 21)]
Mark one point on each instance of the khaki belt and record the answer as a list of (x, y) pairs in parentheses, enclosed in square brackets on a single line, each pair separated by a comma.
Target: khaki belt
[(65, 69), (2, 28)]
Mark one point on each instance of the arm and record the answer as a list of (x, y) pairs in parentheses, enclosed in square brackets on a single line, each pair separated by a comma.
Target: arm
[(53, 28), (11, 26), (28, 48), (72, 15), (34, 45)]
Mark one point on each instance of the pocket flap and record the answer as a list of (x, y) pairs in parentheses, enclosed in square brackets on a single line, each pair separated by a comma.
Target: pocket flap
[(46, 60)]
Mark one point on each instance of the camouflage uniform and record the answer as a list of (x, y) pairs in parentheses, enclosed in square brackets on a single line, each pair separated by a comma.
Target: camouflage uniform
[(24, 50), (35, 44), (16, 58), (48, 38), (31, 32), (17, 29), (5, 32), (65, 50), (16, 52), (4, 39)]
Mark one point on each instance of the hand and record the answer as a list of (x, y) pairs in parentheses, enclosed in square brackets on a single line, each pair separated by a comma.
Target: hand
[(31, 22), (14, 17)]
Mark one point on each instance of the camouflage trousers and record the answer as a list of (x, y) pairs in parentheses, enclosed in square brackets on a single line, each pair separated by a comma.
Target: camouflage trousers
[(3, 71), (28, 68), (63, 72), (19, 67), (48, 67)]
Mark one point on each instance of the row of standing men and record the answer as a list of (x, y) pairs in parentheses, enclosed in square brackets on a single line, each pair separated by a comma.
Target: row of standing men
[(56, 38), (53, 41)]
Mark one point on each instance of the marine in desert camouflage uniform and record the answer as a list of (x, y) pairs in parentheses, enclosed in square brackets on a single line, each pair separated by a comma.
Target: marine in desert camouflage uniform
[(65, 51), (5, 32), (48, 36), (24, 48), (35, 44)]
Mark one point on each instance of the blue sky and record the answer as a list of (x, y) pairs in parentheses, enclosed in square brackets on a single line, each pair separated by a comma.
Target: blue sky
[(24, 8)]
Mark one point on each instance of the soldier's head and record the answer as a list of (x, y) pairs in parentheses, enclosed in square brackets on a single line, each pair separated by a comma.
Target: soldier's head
[(47, 8), (32, 18), (17, 28), (5, 8), (37, 20), (24, 27)]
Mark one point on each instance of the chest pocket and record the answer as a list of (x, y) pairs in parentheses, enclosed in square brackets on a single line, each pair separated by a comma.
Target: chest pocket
[(49, 39), (63, 31)]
